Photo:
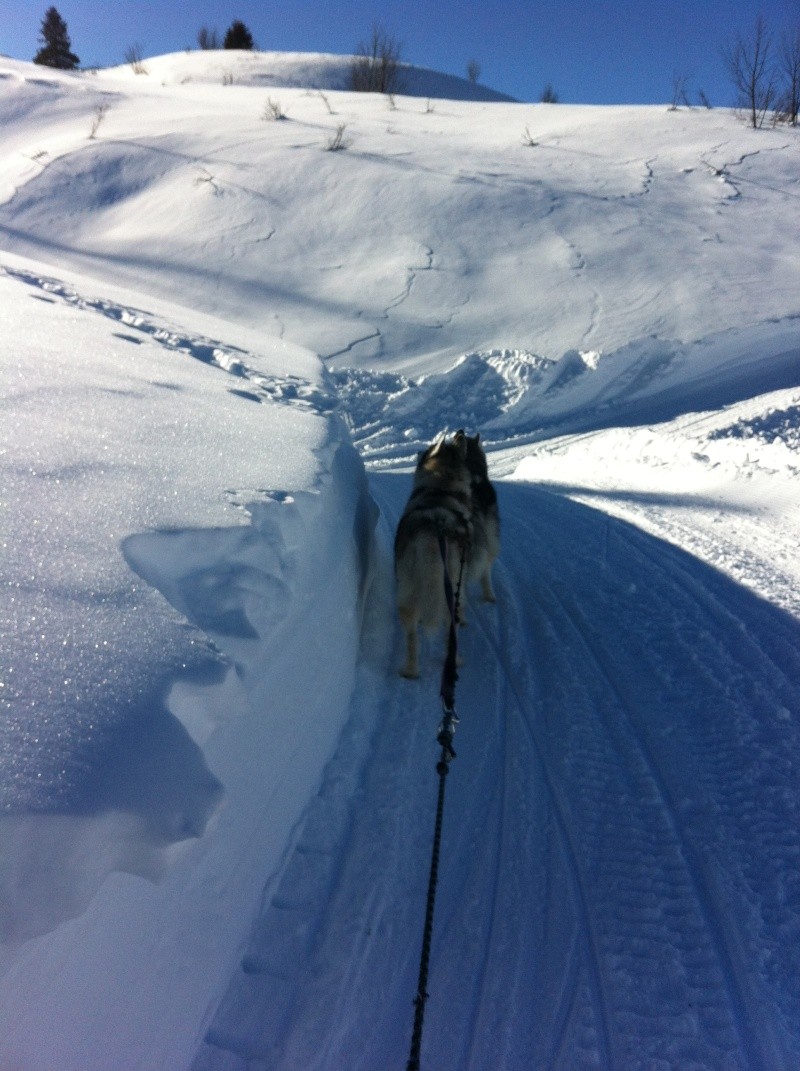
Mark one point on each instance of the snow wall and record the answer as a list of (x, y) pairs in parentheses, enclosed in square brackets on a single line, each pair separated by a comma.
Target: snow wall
[(161, 919)]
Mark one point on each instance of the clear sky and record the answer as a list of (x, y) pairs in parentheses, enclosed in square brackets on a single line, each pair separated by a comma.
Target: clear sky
[(592, 51)]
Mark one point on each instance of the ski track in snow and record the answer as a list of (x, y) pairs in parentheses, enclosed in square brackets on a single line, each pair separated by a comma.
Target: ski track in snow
[(614, 718)]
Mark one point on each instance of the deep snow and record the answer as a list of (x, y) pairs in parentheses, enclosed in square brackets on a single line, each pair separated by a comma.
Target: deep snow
[(217, 794)]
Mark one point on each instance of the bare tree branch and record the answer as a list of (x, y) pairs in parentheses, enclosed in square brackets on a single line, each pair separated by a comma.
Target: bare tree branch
[(752, 70), (789, 65), (376, 65)]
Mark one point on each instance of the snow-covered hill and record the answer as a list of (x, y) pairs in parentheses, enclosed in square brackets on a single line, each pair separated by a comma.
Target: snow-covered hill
[(221, 345), (454, 235), (319, 71)]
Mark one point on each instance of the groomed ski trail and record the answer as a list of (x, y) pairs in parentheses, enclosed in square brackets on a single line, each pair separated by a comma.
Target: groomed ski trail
[(618, 882)]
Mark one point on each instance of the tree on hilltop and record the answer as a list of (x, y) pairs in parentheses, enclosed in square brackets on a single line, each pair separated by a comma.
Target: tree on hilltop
[(208, 40), (238, 36), (789, 60), (56, 50), (376, 64), (752, 70)]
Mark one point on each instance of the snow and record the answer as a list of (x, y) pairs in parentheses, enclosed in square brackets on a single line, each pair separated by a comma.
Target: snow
[(220, 348), (300, 70)]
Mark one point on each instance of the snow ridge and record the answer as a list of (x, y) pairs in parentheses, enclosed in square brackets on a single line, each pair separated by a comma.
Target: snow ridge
[(513, 396)]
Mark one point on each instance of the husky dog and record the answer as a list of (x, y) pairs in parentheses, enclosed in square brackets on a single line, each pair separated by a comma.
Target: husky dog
[(440, 505), (485, 544)]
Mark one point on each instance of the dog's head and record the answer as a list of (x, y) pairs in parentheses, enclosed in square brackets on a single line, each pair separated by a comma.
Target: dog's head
[(445, 458)]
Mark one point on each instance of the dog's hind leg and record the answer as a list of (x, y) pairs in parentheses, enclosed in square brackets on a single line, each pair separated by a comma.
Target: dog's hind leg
[(487, 591), (409, 619)]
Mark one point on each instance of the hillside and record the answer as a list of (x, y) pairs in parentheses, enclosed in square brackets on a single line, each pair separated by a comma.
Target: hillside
[(221, 345), (457, 237), (295, 70)]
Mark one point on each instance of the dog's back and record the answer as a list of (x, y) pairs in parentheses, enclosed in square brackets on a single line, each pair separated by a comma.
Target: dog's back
[(440, 505)]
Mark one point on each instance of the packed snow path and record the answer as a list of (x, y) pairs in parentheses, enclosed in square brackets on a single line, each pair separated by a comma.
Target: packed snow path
[(619, 880)]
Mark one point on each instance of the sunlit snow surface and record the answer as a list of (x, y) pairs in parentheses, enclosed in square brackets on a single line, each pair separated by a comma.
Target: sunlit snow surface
[(217, 794)]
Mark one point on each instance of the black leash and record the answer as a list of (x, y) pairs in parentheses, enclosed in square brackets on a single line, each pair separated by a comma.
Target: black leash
[(444, 738)]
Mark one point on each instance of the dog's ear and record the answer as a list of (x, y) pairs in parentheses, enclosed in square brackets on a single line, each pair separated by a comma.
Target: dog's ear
[(423, 455), (460, 442), (478, 438)]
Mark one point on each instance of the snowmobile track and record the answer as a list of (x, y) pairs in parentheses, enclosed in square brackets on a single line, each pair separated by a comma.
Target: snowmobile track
[(509, 619), (615, 707)]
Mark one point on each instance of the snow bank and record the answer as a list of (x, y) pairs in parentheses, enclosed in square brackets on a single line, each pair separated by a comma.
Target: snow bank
[(514, 396), (133, 731)]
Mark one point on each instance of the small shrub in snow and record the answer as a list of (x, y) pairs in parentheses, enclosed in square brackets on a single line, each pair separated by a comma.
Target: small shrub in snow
[(99, 115), (133, 56), (680, 96), (206, 178), (273, 110), (338, 141)]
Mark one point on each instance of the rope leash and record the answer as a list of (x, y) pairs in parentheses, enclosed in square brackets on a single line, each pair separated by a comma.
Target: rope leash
[(444, 738)]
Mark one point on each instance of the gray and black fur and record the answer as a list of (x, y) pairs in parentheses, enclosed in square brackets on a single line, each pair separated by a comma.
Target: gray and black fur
[(440, 504), (485, 545)]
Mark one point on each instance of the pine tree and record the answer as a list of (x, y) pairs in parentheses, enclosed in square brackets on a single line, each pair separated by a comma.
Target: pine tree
[(238, 36), (56, 50)]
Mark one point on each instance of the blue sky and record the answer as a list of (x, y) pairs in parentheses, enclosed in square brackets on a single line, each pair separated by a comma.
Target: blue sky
[(592, 51)]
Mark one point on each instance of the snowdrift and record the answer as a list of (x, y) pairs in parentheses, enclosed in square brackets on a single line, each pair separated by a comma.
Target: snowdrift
[(142, 450)]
